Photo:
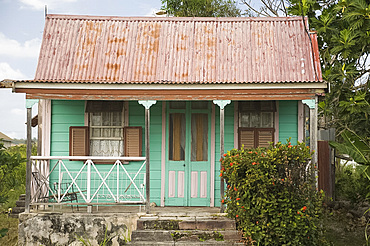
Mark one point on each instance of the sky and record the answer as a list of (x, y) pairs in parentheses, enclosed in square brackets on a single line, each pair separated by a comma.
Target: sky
[(21, 28)]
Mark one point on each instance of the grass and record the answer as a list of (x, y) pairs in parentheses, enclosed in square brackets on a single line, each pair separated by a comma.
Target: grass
[(11, 237)]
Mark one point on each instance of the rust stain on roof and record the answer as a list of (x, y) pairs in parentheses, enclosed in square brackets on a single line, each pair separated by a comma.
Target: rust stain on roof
[(168, 50)]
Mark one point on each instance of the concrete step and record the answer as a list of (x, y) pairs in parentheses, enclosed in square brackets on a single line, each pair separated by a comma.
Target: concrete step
[(17, 210), (22, 197), (151, 243), (20, 203), (186, 223), (152, 236), (185, 235), (210, 243)]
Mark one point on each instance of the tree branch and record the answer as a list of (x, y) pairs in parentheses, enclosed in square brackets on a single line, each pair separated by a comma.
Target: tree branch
[(269, 7), (253, 9)]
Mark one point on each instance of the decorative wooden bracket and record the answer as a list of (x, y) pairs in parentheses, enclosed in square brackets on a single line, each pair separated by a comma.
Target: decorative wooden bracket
[(311, 103), (221, 103), (147, 104), (31, 102)]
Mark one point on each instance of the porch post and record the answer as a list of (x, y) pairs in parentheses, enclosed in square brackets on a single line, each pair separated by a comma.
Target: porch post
[(312, 104), (222, 104), (147, 105), (29, 104)]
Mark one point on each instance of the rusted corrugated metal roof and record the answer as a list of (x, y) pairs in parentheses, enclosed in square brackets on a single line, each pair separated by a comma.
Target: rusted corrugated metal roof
[(88, 49)]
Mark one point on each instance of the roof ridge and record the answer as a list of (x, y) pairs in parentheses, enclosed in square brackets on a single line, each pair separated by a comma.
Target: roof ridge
[(149, 18)]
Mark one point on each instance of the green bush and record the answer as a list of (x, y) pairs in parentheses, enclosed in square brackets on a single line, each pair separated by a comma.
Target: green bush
[(12, 174), (351, 183), (271, 194)]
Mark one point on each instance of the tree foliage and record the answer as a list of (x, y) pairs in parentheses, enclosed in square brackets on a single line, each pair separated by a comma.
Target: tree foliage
[(12, 173), (201, 8), (343, 29)]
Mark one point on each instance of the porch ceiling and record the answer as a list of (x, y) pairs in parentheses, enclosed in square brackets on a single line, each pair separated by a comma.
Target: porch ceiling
[(175, 94)]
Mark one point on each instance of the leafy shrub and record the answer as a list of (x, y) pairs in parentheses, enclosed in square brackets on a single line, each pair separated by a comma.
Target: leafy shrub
[(271, 194), (12, 173), (351, 183)]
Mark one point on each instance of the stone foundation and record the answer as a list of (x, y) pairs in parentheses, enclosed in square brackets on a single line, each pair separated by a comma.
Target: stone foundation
[(67, 228)]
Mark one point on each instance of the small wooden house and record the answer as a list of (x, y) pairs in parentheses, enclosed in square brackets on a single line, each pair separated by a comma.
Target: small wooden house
[(132, 108)]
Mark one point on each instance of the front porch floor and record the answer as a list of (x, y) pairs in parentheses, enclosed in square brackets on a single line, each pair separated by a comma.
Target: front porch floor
[(102, 209)]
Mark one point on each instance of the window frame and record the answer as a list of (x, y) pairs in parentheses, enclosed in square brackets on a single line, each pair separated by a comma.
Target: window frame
[(135, 141), (256, 130)]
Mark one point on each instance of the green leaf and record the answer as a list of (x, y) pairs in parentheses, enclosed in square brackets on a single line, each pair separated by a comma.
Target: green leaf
[(3, 232), (354, 146)]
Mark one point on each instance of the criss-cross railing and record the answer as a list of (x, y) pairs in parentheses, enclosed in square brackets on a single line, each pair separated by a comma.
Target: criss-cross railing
[(77, 180)]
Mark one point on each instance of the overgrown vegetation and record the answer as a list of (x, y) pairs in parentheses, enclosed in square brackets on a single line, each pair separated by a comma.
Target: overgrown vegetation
[(12, 175), (351, 183), (12, 185), (271, 194), (8, 230)]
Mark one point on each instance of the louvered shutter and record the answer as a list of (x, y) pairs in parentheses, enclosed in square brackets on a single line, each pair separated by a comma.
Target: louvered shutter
[(246, 138), (78, 141), (264, 137), (133, 141)]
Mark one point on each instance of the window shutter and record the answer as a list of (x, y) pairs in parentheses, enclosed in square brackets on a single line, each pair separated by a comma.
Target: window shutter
[(246, 138), (133, 141), (78, 141), (264, 137)]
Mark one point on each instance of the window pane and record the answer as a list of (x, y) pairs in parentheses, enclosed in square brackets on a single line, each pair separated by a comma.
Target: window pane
[(199, 105), (106, 132), (177, 137), (199, 137), (244, 119), (116, 119), (106, 136), (267, 119), (96, 119), (106, 118), (255, 120), (96, 132), (106, 147), (117, 133), (178, 105)]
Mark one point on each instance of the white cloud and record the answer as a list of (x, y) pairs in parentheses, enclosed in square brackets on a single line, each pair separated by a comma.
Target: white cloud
[(7, 72), (13, 48), (17, 111), (16, 134), (40, 4)]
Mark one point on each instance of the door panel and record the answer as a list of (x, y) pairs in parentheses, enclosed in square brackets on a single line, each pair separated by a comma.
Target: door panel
[(188, 165)]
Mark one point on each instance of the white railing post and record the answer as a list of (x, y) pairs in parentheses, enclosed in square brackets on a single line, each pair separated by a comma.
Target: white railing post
[(117, 163), (88, 185), (59, 179)]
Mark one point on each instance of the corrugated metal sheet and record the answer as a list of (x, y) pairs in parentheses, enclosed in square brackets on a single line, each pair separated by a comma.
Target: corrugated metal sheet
[(175, 50)]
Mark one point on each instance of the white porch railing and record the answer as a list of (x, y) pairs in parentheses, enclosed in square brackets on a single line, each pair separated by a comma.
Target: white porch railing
[(85, 182)]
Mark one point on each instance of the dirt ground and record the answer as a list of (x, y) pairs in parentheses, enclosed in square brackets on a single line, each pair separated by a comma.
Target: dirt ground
[(344, 229)]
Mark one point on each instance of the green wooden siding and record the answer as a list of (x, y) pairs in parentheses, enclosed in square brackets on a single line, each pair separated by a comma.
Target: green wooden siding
[(137, 118), (72, 113), (64, 114), (288, 121)]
